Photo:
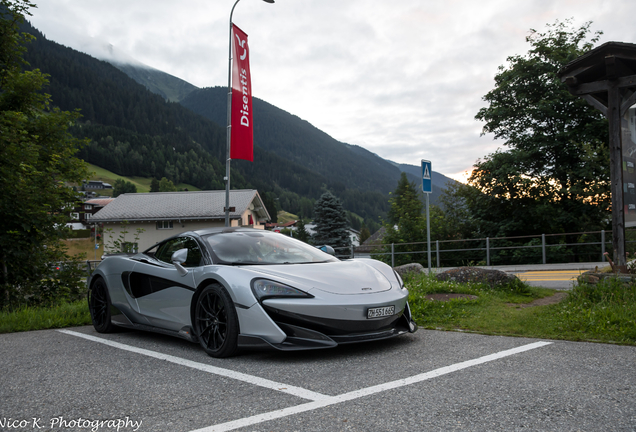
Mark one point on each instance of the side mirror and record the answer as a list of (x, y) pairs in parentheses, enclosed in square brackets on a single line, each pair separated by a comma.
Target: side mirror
[(178, 258), (327, 249)]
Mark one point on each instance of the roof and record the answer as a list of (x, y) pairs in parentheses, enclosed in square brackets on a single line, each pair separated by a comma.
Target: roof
[(373, 242), (592, 66), (280, 225), (199, 205), (100, 201)]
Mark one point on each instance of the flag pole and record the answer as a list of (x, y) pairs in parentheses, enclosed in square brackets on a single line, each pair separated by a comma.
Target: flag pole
[(228, 138), (229, 120)]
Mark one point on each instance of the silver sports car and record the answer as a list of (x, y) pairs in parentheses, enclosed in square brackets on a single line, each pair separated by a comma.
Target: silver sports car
[(233, 288)]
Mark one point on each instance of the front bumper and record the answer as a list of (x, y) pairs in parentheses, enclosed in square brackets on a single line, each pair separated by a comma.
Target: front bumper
[(305, 332)]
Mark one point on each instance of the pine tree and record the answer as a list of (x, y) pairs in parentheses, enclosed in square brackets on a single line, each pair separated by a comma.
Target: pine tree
[(406, 223), (301, 232), (331, 223), (154, 185)]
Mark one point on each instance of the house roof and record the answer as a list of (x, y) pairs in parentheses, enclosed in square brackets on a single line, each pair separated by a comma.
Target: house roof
[(197, 205), (373, 242), (100, 201), (280, 225)]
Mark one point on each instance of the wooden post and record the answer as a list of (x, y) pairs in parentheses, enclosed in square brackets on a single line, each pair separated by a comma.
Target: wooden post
[(616, 177)]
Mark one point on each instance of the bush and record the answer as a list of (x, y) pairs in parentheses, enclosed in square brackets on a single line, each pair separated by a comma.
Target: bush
[(607, 308)]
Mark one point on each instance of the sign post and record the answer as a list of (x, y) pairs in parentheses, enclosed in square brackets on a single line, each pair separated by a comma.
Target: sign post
[(427, 188)]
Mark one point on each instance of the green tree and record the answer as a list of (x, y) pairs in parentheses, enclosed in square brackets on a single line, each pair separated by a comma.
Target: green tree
[(458, 221), (166, 185), (301, 232), (364, 233), (555, 175), (122, 186), (37, 162), (406, 224), (154, 185), (331, 223)]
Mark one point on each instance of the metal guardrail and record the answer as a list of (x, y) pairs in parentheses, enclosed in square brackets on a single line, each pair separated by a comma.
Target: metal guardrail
[(484, 251), (487, 247)]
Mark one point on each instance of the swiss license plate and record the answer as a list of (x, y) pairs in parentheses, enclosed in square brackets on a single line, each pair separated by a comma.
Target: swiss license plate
[(380, 312)]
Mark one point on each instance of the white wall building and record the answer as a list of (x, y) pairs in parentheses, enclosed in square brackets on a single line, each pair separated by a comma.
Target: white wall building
[(163, 214)]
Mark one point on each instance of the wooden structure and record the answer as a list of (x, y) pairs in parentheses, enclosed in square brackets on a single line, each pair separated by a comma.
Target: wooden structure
[(606, 78)]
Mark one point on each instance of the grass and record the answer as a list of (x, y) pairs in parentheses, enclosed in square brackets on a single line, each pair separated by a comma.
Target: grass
[(595, 313), (142, 183), (85, 246), (32, 318), (601, 313), (284, 217)]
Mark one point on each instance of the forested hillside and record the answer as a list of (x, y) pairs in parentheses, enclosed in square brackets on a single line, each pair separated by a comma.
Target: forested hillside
[(171, 88), (135, 132), (297, 140)]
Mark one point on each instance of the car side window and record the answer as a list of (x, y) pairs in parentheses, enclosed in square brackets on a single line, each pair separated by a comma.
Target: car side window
[(165, 251)]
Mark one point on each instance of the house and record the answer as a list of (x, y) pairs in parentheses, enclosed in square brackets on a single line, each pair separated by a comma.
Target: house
[(373, 243), (163, 214), (95, 184), (82, 212)]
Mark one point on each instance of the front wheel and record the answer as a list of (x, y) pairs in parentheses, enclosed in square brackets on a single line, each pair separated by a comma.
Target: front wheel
[(216, 322), (99, 307)]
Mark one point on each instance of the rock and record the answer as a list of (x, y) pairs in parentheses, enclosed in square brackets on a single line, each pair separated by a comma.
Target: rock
[(476, 274), (589, 278), (592, 277), (409, 268)]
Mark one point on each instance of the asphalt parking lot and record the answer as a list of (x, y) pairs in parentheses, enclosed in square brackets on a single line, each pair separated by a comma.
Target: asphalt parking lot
[(69, 380)]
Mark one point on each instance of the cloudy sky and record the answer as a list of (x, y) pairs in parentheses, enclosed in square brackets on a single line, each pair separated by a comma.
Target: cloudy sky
[(403, 79)]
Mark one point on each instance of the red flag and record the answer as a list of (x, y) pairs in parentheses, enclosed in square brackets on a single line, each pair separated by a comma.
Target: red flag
[(242, 136)]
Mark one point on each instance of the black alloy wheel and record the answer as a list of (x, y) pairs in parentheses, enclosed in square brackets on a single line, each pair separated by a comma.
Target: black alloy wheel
[(216, 322), (99, 306)]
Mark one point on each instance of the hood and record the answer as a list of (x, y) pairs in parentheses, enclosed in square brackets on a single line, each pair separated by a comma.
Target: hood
[(342, 277)]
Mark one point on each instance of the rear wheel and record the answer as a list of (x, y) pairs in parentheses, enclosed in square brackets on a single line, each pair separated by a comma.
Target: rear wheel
[(216, 322), (99, 307)]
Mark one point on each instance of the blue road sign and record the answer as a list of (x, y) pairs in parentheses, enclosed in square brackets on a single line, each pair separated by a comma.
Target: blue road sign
[(427, 173)]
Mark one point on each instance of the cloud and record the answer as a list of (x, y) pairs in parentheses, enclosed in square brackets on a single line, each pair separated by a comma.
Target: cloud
[(402, 79)]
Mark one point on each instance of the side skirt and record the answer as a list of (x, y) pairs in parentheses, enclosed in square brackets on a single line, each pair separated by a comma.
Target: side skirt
[(119, 319)]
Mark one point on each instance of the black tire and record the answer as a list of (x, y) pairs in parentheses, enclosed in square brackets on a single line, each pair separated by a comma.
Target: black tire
[(216, 322), (99, 307)]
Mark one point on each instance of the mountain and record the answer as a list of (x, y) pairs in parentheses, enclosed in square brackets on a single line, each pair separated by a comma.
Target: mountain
[(134, 130), (317, 151), (439, 180), (169, 87), (298, 141)]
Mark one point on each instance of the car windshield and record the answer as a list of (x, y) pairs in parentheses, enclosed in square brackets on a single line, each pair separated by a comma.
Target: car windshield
[(265, 247)]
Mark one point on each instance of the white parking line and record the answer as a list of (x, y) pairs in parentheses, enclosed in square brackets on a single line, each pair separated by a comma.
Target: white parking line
[(272, 385), (260, 418), (318, 400)]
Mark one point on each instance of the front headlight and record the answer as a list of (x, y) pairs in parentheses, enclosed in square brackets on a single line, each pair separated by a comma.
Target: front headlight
[(264, 289)]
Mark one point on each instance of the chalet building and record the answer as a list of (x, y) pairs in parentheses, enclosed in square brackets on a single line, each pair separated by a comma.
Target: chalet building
[(163, 214), (82, 213), (96, 185)]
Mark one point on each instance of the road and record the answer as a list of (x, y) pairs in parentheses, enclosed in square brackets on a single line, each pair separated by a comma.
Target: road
[(67, 380), (559, 279), (554, 276)]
